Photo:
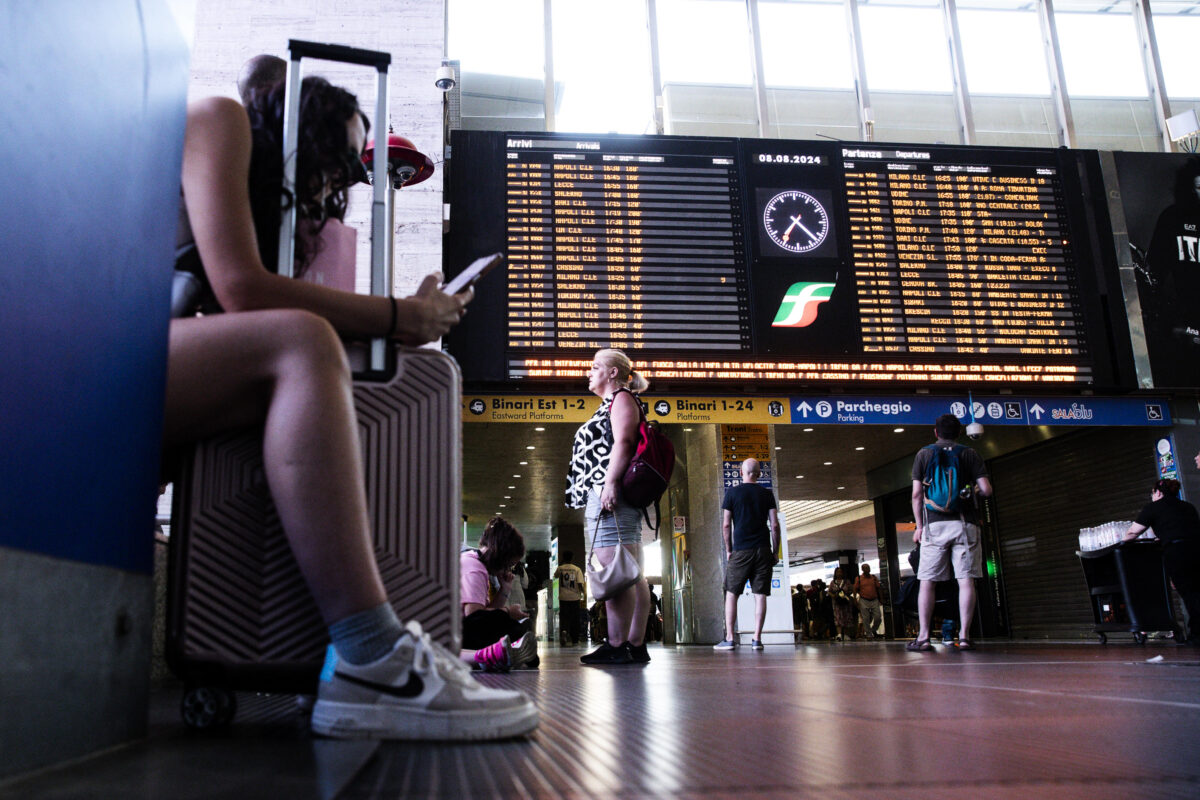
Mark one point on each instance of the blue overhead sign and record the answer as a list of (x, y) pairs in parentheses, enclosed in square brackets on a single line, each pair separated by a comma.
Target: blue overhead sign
[(1001, 410)]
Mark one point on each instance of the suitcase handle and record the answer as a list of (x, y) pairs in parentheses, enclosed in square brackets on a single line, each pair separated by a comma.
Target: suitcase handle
[(339, 52), (381, 237)]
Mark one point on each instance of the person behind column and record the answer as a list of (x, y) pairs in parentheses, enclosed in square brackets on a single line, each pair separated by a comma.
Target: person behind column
[(949, 539), (260, 74), (571, 592), (750, 527), (274, 360), (1177, 525), (603, 448), (867, 588)]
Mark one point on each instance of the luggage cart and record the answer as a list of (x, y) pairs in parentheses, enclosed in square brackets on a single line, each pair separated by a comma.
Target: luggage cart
[(1129, 590)]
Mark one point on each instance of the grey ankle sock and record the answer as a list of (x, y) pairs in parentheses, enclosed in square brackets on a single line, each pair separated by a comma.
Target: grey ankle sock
[(368, 635)]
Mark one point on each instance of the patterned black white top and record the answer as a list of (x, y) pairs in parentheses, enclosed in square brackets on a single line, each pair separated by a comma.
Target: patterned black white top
[(590, 453)]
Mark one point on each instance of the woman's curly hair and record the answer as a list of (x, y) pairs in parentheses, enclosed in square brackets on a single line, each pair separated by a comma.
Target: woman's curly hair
[(324, 158)]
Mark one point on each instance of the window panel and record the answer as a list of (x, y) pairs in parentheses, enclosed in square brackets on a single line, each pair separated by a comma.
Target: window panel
[(805, 45), (1003, 52), (603, 86), (905, 48), (499, 45), (704, 41), (497, 37), (1177, 36), (1100, 53)]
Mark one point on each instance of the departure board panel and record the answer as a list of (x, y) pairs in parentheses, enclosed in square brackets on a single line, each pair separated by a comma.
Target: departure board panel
[(763, 261), (961, 258)]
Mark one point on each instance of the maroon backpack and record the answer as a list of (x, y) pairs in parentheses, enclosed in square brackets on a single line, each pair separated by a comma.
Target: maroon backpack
[(650, 469)]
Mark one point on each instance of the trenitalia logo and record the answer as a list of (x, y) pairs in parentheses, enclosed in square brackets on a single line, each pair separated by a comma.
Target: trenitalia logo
[(799, 307)]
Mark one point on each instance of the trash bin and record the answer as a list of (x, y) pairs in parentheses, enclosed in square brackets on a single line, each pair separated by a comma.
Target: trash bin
[(1129, 589)]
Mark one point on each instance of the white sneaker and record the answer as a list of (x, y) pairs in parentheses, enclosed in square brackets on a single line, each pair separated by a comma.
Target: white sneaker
[(419, 691)]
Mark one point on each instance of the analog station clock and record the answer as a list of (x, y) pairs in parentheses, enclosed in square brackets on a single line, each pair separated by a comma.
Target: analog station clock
[(796, 221)]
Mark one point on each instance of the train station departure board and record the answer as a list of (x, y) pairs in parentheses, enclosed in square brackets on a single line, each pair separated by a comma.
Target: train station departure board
[(732, 261)]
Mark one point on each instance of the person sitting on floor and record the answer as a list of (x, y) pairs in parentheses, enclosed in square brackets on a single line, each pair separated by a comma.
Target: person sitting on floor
[(495, 635)]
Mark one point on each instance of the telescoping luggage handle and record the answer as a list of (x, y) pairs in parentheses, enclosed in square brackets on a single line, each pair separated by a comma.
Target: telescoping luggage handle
[(381, 239)]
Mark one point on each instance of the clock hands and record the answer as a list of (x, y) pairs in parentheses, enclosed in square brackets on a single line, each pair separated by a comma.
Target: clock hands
[(791, 213), (796, 223)]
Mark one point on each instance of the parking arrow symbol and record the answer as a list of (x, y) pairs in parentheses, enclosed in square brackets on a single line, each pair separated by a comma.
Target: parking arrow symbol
[(804, 408), (1037, 410)]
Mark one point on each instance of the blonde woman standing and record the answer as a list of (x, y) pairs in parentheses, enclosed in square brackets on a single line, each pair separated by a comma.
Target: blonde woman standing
[(602, 451)]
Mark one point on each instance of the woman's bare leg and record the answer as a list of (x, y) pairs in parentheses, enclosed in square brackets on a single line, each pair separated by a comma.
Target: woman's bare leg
[(629, 611), (285, 370)]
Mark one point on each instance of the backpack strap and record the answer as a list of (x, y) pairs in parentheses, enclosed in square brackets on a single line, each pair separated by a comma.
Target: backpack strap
[(636, 401), (657, 517)]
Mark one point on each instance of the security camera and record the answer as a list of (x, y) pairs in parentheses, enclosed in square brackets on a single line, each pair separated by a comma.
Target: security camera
[(445, 78), (975, 430)]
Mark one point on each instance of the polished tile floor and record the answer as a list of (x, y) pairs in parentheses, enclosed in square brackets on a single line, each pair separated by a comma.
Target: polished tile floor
[(859, 720)]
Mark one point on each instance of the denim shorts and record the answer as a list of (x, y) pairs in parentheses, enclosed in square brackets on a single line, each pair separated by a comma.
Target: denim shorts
[(623, 524)]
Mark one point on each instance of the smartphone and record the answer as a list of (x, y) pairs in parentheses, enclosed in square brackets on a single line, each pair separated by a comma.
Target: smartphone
[(478, 268)]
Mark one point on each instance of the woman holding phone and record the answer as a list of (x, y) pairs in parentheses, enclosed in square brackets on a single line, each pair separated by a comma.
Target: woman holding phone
[(274, 359)]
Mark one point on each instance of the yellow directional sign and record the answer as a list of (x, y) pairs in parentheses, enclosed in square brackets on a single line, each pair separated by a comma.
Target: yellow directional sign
[(668, 410), (739, 442), (528, 408)]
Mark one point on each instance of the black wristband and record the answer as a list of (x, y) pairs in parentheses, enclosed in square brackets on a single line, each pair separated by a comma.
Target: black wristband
[(392, 326)]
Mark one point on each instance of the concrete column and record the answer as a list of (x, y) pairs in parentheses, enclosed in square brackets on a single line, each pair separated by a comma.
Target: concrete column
[(706, 571)]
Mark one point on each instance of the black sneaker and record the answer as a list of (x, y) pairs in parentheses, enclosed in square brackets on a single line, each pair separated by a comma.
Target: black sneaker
[(607, 654), (638, 654)]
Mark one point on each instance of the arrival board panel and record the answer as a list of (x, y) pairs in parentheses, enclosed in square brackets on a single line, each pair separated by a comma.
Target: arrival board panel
[(778, 261)]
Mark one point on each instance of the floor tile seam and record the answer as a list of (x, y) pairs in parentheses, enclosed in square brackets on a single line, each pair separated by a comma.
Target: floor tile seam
[(1024, 690)]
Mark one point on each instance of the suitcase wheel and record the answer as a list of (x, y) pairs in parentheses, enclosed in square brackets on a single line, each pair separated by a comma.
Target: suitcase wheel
[(206, 708)]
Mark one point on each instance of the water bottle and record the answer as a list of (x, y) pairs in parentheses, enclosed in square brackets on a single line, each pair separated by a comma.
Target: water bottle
[(947, 631)]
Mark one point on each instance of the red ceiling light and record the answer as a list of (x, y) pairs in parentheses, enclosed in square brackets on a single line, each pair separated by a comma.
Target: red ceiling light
[(406, 165)]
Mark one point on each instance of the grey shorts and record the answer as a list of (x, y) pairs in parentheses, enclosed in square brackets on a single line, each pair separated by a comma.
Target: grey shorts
[(950, 549), (623, 524)]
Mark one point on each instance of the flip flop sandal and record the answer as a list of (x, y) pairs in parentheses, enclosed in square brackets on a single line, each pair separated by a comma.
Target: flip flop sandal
[(919, 646), (965, 644)]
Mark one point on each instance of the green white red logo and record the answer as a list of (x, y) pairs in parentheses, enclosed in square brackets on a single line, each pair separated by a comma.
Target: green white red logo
[(799, 307)]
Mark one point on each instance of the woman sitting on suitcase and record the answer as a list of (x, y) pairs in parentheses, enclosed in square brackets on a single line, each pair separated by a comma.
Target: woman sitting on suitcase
[(275, 359), (494, 635)]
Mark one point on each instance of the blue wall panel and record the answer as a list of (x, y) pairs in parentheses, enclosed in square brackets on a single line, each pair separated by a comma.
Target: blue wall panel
[(90, 144)]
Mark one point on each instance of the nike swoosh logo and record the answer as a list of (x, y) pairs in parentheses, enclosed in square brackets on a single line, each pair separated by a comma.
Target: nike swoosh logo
[(411, 689)]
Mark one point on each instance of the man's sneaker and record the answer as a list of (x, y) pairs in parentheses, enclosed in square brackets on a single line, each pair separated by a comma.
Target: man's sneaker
[(524, 653), (639, 654), (419, 691), (607, 654), (755, 644), (725, 644)]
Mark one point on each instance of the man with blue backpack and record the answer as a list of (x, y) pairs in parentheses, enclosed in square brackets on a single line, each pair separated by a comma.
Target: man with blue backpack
[(945, 478)]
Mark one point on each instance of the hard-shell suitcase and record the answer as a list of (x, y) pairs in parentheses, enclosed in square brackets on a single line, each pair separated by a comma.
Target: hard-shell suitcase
[(240, 616)]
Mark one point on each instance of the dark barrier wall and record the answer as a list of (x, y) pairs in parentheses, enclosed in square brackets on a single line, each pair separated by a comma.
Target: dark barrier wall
[(93, 98), (91, 131)]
